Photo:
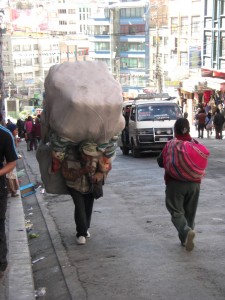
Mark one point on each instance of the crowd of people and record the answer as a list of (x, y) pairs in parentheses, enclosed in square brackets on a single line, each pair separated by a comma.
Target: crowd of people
[(209, 119), (29, 129)]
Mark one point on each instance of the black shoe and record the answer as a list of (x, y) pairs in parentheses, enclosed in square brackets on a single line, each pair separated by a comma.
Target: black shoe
[(3, 267)]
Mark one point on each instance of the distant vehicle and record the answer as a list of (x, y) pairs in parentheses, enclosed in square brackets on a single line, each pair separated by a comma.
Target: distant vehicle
[(149, 122)]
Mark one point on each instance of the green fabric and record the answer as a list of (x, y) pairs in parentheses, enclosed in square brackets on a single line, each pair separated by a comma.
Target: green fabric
[(181, 202)]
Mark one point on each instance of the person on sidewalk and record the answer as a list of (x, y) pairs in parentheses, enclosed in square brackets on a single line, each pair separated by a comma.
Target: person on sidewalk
[(182, 179), (82, 167), (218, 122), (36, 132), (12, 180), (29, 137), (7, 153)]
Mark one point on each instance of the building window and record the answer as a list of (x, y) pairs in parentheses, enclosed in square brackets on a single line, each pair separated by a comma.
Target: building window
[(16, 48), (102, 46), (26, 47), (166, 58), (27, 62), (195, 25), (132, 47), (174, 25), (222, 7), (71, 11), (35, 46), (184, 26), (28, 75), (6, 61), (133, 62), (55, 46), (183, 59), (62, 22), (36, 61), (132, 12), (208, 44), (62, 11), (18, 77), (132, 29), (166, 41), (5, 46), (209, 8)]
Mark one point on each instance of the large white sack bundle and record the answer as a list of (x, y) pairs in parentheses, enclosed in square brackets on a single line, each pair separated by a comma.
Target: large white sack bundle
[(83, 102)]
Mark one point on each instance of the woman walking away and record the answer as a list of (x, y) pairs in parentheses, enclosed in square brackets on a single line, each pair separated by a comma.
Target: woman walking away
[(184, 161), (28, 127)]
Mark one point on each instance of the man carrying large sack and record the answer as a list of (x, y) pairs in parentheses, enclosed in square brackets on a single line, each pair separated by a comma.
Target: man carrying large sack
[(81, 118)]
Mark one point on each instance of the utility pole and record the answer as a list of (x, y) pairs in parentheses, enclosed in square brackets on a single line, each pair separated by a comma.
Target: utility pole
[(115, 41), (159, 11), (158, 72)]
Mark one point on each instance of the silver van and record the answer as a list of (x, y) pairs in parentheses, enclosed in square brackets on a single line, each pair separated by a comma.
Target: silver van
[(149, 125)]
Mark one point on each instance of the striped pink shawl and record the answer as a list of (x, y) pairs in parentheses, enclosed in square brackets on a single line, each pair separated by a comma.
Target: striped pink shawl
[(185, 160)]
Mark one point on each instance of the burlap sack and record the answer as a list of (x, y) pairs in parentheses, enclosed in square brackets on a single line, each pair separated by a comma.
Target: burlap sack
[(82, 102)]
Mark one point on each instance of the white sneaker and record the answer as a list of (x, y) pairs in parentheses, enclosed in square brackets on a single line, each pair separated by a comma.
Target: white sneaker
[(81, 240)]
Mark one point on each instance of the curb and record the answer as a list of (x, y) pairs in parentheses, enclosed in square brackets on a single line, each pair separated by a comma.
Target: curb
[(20, 276)]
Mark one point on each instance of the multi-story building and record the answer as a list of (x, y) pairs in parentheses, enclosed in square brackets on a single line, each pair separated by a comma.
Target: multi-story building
[(26, 61), (213, 58), (185, 37), (119, 35)]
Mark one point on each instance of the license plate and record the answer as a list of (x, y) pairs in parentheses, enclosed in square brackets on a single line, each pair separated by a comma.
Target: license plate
[(163, 139)]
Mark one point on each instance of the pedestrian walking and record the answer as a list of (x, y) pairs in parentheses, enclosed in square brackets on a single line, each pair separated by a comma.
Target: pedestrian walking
[(12, 180), (7, 153), (36, 133), (201, 122), (28, 128), (209, 124), (84, 169), (184, 161), (218, 122), (20, 125)]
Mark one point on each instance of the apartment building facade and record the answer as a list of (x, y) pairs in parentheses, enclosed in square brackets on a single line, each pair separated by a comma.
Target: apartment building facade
[(213, 58), (119, 35)]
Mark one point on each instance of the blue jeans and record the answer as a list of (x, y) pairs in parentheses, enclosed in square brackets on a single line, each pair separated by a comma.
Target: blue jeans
[(83, 211)]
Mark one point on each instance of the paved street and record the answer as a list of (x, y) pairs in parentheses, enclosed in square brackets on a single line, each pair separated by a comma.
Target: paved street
[(133, 252)]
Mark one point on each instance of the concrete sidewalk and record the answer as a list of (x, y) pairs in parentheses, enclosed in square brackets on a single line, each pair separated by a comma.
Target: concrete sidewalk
[(17, 283)]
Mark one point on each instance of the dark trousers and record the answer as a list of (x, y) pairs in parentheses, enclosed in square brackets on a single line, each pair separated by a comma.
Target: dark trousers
[(83, 211), (182, 202), (219, 132), (3, 207), (201, 128)]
